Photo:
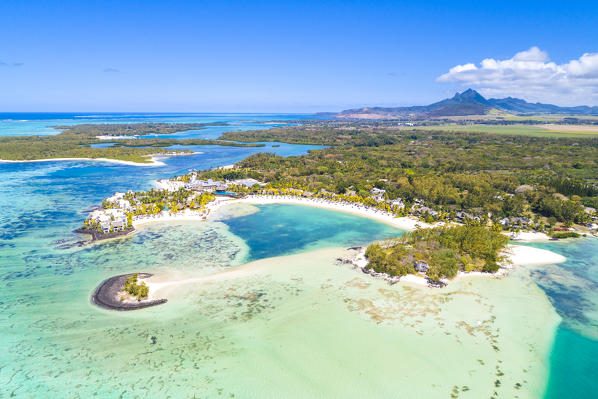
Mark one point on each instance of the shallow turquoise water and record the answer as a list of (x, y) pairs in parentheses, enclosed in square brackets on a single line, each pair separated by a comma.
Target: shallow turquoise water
[(574, 365), (572, 287), (47, 325), (21, 124), (286, 229)]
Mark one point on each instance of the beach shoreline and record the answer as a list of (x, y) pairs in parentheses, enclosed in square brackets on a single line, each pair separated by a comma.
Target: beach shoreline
[(403, 223), (408, 223), (528, 236), (517, 255)]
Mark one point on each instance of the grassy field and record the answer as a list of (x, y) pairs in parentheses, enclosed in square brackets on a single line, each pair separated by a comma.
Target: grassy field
[(525, 130)]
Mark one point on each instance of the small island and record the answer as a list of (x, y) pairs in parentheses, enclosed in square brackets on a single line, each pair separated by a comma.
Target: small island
[(124, 292), (439, 253)]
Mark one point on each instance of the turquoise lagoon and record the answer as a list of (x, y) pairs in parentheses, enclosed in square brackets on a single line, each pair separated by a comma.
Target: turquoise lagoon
[(276, 316), (21, 124)]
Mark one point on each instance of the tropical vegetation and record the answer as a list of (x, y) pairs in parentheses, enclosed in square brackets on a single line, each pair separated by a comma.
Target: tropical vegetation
[(80, 141), (139, 291), (447, 250), (492, 177)]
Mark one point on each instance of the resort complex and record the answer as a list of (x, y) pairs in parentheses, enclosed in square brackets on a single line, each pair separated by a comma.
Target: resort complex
[(189, 194)]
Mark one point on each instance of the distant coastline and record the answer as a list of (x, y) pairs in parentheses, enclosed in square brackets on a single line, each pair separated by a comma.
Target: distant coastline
[(153, 161)]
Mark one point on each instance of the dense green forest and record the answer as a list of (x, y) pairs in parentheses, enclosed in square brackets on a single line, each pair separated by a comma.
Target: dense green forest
[(447, 250), (131, 129), (546, 179), (76, 142)]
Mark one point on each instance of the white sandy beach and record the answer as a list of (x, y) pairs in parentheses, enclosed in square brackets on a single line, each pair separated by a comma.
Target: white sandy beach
[(528, 236), (186, 215), (517, 255), (404, 223), (155, 160), (522, 255)]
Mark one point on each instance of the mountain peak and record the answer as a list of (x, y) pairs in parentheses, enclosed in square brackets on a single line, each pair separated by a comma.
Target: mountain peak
[(470, 95), (468, 102)]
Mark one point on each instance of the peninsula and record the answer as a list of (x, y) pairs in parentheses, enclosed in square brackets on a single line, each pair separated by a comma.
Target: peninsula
[(132, 143), (461, 195)]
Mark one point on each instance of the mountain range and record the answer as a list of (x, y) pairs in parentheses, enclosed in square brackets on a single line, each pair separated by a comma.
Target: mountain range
[(469, 102)]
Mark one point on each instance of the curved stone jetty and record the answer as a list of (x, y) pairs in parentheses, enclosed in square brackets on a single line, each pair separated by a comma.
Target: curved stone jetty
[(107, 294)]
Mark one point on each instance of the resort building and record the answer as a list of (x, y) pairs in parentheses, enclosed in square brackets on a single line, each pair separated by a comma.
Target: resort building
[(421, 266), (169, 185), (247, 182), (517, 222), (397, 203), (378, 194), (119, 202), (464, 216), (109, 219), (206, 185), (424, 209)]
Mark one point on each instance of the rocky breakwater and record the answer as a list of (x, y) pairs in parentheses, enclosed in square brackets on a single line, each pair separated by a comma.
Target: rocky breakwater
[(98, 235), (359, 262), (111, 294)]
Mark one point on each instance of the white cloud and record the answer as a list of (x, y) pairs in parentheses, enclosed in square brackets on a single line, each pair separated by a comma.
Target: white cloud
[(531, 75)]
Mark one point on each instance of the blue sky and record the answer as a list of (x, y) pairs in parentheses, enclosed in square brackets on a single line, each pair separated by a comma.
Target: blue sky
[(277, 56)]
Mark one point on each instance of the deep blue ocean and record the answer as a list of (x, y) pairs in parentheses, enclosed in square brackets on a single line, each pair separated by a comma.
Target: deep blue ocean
[(42, 203)]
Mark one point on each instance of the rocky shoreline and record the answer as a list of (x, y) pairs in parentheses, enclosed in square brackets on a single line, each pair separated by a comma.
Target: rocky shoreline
[(107, 295), (359, 262), (97, 235)]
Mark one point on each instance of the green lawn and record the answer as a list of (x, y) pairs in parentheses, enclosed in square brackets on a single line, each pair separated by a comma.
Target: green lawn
[(526, 130)]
